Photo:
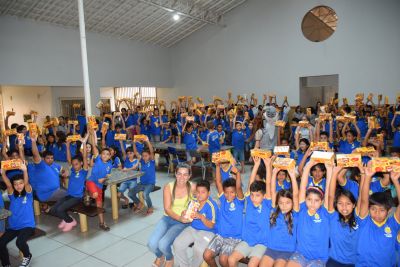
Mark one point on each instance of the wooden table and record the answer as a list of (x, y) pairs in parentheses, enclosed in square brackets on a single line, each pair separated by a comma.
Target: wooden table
[(182, 147), (4, 214), (115, 178)]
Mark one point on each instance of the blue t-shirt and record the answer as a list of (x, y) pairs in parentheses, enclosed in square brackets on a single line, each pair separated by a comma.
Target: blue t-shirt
[(21, 212), (28, 141), (76, 182), (238, 138), (129, 164), (130, 121), (280, 238), (82, 123), (209, 210), (110, 138), (255, 225), (115, 163), (60, 152), (203, 135), (347, 148), (13, 139), (343, 240), (313, 233), (45, 179), (396, 138), (213, 142), (298, 156), (139, 147), (149, 169), (225, 175), (376, 243), (156, 130), (100, 170), (190, 140), (312, 182), (11, 173), (285, 185), (230, 217)]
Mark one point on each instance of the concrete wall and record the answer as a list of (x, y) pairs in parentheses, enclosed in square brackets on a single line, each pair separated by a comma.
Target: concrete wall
[(263, 50)]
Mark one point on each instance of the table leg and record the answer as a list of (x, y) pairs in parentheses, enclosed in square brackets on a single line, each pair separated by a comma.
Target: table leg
[(114, 201), (36, 207), (83, 222)]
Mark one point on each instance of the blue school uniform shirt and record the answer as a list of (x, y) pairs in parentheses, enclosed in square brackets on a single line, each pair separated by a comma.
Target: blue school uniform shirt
[(279, 238), (139, 147), (238, 138), (213, 142), (353, 187), (45, 179), (11, 173), (155, 130), (130, 121), (298, 156), (129, 164), (225, 175), (255, 225), (100, 170), (230, 217), (115, 162), (190, 140), (21, 208), (343, 240), (313, 234), (209, 210), (28, 141), (376, 244), (166, 133), (396, 138), (347, 148), (312, 182), (60, 152), (149, 169), (285, 185), (203, 135), (363, 126), (145, 129), (110, 138), (76, 182), (221, 135), (1, 201), (82, 123)]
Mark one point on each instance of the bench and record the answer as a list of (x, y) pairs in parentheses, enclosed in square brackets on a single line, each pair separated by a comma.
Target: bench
[(82, 210)]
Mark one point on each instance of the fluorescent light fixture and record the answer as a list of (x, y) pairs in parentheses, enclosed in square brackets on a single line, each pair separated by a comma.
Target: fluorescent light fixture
[(176, 17)]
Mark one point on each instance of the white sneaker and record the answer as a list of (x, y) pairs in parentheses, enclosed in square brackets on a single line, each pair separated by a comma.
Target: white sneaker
[(26, 261)]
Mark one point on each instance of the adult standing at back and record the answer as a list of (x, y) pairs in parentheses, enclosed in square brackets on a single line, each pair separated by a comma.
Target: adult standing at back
[(177, 195)]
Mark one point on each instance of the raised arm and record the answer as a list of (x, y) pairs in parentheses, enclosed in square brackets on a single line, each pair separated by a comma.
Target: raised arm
[(35, 151), (304, 181), (357, 130), (218, 180), (273, 185), (332, 188), (295, 189), (69, 159), (84, 152), (151, 150), (344, 129), (253, 174), (268, 175), (331, 130), (4, 148), (123, 151), (395, 180), (365, 192), (329, 172)]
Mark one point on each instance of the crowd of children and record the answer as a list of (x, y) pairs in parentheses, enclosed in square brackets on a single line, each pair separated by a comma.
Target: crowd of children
[(312, 214)]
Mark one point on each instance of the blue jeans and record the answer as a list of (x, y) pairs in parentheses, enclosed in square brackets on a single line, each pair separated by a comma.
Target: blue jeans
[(164, 235), (146, 188), (238, 154), (130, 184)]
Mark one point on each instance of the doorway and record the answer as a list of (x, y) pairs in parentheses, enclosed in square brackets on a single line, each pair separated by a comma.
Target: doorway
[(315, 89)]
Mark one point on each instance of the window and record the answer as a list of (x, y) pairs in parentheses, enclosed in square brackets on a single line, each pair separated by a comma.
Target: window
[(70, 108), (143, 93), (319, 23)]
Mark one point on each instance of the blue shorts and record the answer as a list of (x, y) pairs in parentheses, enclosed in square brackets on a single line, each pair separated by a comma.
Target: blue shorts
[(238, 154), (127, 185), (304, 262), (276, 254)]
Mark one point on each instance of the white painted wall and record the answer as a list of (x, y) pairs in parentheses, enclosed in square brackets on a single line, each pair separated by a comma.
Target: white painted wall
[(33, 53), (23, 99), (262, 49)]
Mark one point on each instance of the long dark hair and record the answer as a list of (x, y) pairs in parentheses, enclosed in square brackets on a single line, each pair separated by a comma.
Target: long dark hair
[(351, 222), (288, 216), (188, 186)]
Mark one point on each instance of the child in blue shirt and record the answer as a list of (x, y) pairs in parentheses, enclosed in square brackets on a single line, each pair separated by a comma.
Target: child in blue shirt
[(131, 163), (230, 219), (115, 159), (344, 229), (238, 138), (200, 232), (100, 171), (221, 134), (21, 223), (147, 181), (213, 142), (75, 191), (349, 141), (378, 229), (255, 230), (312, 248), (283, 181), (155, 126), (284, 205), (190, 139)]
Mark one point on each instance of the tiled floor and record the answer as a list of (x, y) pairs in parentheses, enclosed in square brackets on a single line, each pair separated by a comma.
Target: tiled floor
[(123, 245)]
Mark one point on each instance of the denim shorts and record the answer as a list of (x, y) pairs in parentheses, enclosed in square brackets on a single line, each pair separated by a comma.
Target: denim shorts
[(127, 185), (221, 245), (238, 154), (304, 262), (191, 154), (276, 254)]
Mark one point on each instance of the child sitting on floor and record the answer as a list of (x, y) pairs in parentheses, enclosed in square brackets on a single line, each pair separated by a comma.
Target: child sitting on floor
[(130, 163)]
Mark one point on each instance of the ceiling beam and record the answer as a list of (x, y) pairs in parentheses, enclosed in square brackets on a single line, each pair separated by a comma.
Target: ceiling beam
[(203, 18)]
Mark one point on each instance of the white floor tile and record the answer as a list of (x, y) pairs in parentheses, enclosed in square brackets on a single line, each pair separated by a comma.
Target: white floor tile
[(61, 257), (121, 253), (94, 242), (91, 262)]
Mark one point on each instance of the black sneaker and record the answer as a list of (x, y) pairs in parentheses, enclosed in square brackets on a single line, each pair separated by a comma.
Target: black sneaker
[(26, 261), (103, 227)]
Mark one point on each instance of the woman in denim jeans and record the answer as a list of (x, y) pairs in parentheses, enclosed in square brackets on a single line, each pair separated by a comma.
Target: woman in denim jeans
[(177, 195)]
